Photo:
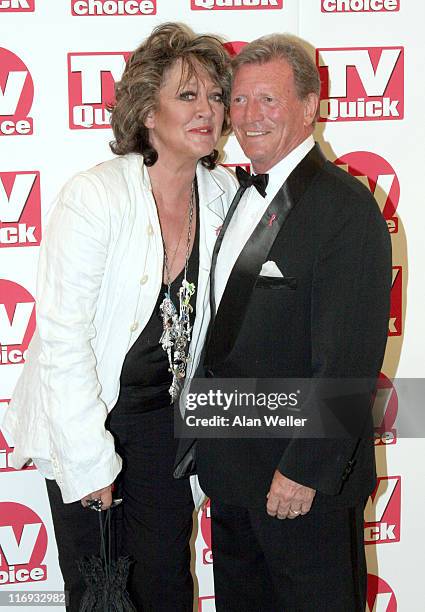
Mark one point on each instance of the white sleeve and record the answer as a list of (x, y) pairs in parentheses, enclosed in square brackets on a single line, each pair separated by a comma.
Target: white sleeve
[(72, 264)]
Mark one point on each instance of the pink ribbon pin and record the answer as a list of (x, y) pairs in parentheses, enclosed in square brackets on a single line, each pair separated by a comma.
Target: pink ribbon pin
[(273, 217)]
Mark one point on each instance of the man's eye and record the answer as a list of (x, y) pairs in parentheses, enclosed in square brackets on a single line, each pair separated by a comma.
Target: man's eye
[(238, 99), (268, 99), (187, 95)]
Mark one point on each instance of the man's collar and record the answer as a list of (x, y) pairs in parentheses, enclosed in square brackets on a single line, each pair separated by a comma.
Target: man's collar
[(280, 171)]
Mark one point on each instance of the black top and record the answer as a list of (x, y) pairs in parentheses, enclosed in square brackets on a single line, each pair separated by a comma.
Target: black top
[(145, 376)]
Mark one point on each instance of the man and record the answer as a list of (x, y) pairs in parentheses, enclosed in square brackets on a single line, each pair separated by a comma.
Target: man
[(301, 284)]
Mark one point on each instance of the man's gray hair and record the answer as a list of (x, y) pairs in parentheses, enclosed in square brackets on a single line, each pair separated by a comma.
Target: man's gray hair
[(289, 48)]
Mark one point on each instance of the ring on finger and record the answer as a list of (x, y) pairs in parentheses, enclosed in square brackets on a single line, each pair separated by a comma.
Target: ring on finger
[(296, 512)]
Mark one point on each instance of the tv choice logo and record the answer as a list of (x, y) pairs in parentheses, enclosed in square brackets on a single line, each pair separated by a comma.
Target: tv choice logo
[(396, 308), (382, 512), (205, 525), (16, 95), (91, 82), (380, 596), (220, 5), (101, 8), (377, 174), (206, 604), (17, 6), (360, 6), (17, 322), (20, 209), (385, 409), (23, 545), (5, 447), (361, 83)]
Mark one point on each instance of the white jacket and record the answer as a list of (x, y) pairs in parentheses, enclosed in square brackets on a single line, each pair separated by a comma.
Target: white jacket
[(99, 277)]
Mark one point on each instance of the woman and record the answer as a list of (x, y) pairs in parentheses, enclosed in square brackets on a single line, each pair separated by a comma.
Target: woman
[(123, 269)]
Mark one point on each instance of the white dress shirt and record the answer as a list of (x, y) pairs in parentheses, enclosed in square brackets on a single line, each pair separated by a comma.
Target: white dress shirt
[(249, 212)]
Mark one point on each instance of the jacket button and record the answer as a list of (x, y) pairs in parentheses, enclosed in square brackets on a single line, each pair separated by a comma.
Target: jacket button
[(134, 326), (144, 279), (209, 374), (150, 230)]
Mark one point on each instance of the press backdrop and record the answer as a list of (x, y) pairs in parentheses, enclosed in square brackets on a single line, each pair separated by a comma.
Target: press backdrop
[(58, 63)]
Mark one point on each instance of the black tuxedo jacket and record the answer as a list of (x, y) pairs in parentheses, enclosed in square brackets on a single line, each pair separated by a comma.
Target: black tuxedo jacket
[(326, 318)]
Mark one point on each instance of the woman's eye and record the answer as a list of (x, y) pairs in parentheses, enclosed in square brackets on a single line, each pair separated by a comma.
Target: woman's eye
[(187, 95), (217, 96)]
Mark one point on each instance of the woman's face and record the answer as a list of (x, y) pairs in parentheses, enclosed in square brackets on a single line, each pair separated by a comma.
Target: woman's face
[(189, 116)]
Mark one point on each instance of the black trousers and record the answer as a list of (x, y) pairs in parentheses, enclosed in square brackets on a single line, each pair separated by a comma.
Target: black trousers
[(153, 526), (314, 563)]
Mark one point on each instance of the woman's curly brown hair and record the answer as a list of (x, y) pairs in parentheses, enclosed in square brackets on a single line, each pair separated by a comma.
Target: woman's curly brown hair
[(137, 92)]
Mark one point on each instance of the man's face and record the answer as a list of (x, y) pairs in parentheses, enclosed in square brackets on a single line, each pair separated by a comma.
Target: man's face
[(268, 118)]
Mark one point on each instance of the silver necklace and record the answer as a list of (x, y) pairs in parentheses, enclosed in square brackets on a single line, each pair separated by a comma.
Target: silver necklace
[(177, 329)]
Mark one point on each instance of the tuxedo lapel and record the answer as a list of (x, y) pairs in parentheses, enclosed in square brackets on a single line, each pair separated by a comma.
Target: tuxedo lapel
[(231, 312)]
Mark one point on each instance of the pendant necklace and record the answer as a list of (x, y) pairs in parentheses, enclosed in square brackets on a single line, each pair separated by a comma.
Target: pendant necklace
[(177, 329)]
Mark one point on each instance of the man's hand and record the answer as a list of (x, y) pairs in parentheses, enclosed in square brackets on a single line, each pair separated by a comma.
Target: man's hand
[(105, 496), (288, 499)]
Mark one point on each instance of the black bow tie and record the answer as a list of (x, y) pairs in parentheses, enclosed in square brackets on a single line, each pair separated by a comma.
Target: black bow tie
[(248, 180)]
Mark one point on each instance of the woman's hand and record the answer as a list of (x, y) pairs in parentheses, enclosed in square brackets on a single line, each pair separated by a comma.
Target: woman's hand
[(105, 496)]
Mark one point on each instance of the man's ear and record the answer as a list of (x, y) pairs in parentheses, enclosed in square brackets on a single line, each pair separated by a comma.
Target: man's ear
[(150, 120), (311, 102)]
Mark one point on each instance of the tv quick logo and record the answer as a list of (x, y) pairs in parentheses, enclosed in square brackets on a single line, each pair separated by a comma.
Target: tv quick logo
[(220, 5), (20, 209), (361, 84), (91, 81), (380, 596), (396, 308), (100, 8), (384, 412), (206, 533), (382, 512), (17, 6), (16, 95), (206, 604), (23, 545), (360, 6), (379, 177), (17, 322), (6, 447), (234, 47)]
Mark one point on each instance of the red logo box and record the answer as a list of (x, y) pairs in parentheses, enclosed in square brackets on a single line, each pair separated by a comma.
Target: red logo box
[(382, 512), (91, 82), (104, 8), (235, 5), (361, 83), (17, 6), (16, 95), (380, 595), (206, 604), (20, 209), (385, 410), (396, 308), (23, 545), (360, 6), (17, 322), (379, 177), (206, 533)]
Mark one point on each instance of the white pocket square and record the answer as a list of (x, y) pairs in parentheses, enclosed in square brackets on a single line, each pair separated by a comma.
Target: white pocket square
[(270, 269)]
